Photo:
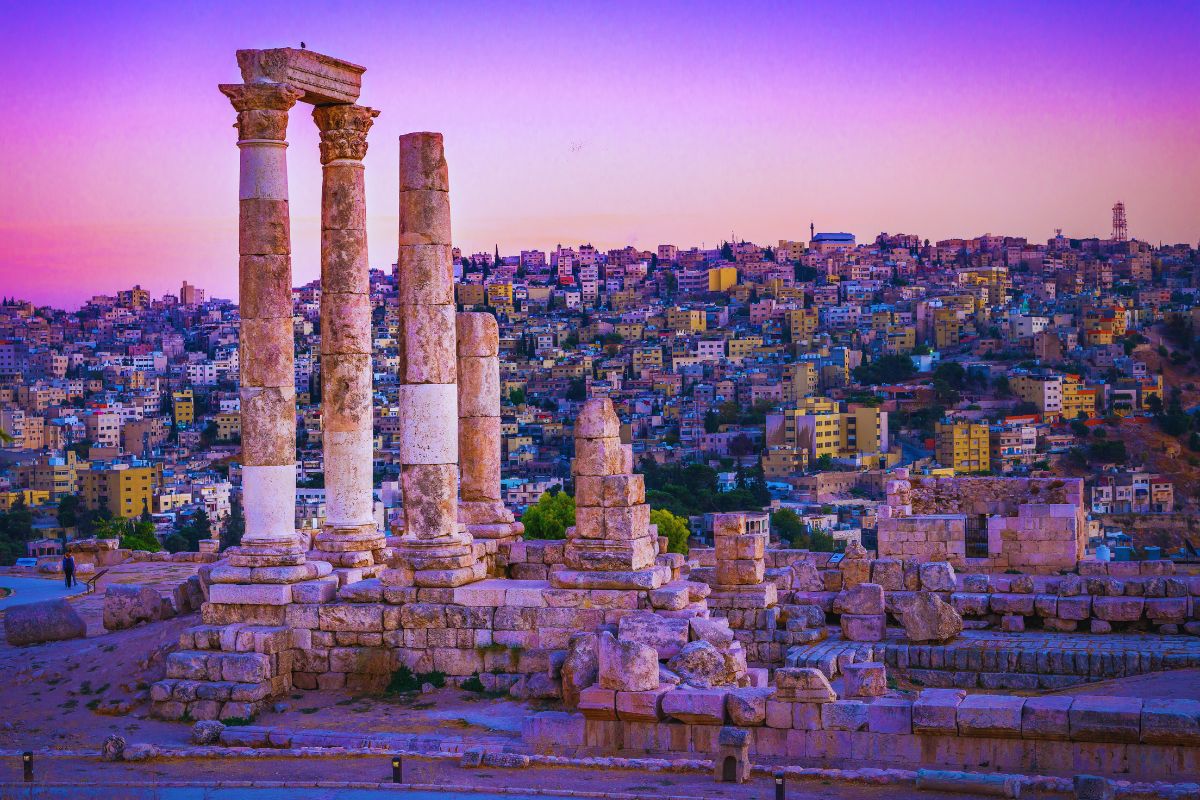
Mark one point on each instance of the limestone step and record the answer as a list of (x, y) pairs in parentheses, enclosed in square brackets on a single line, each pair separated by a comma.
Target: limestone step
[(238, 638), (209, 665)]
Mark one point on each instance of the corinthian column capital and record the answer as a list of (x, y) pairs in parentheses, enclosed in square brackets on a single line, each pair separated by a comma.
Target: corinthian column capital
[(262, 108), (343, 131)]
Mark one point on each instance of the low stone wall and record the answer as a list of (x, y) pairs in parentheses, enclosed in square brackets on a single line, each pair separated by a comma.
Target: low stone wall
[(1127, 737)]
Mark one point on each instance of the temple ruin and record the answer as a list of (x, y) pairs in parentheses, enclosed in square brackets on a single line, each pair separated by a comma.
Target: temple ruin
[(647, 650)]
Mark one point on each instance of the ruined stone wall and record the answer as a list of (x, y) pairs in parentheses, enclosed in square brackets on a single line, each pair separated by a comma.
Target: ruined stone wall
[(925, 538), (1032, 524), (971, 495), (1130, 737)]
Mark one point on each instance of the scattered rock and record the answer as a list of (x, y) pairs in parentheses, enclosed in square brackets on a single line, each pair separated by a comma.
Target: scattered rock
[(928, 618), (206, 732), (127, 605), (47, 621), (113, 748), (580, 669), (866, 598), (666, 635), (702, 665), (140, 752), (627, 666)]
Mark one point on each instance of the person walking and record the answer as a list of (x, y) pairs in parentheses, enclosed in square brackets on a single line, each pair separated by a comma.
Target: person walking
[(68, 566)]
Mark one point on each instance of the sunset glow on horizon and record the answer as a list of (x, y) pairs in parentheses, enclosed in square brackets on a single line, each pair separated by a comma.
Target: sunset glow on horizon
[(611, 124)]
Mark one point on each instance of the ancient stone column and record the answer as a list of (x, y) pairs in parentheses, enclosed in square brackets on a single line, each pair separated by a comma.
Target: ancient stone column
[(480, 505), (268, 395), (435, 549), (350, 534)]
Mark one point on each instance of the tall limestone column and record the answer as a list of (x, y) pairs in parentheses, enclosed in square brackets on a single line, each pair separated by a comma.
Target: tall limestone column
[(350, 535), (268, 394), (255, 582), (480, 506), (435, 550)]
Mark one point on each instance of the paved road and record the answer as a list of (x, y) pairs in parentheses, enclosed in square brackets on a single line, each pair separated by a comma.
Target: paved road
[(32, 590)]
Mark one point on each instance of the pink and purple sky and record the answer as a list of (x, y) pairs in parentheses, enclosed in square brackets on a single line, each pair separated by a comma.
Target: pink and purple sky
[(615, 123)]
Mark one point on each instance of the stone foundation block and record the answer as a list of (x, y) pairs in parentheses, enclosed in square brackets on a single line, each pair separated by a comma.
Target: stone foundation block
[(598, 703), (844, 715), (1171, 721), (936, 711), (1106, 719), (991, 715), (695, 706), (250, 594), (890, 715), (864, 627), (1046, 718), (640, 706), (1118, 609)]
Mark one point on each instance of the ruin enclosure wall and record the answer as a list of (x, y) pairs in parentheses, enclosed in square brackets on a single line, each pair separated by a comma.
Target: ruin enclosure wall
[(1122, 737), (941, 538)]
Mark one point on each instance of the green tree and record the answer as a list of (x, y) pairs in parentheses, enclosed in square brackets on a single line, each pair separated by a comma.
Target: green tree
[(175, 543), (68, 510), (235, 525), (516, 396), (577, 390), (672, 526), (135, 536), (550, 517), (787, 526)]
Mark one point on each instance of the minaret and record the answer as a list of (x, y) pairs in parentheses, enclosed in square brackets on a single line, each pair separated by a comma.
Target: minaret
[(812, 230)]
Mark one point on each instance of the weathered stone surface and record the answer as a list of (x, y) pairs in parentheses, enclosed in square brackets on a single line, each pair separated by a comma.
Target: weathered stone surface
[(990, 715), (937, 576), (865, 598), (126, 605), (581, 668), (1174, 721), (695, 706), (928, 618), (1118, 609), (890, 715), (596, 702), (747, 706), (864, 627), (865, 679), (803, 685), (626, 666), (936, 711), (47, 621), (1106, 719), (665, 634), (597, 420), (702, 665), (207, 732), (640, 706), (844, 715), (806, 577), (1046, 718)]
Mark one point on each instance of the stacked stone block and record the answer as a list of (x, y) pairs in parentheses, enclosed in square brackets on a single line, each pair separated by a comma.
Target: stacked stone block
[(481, 507), (740, 592), (435, 550), (612, 544)]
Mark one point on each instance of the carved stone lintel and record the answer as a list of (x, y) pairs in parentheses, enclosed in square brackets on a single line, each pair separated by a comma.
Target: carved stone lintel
[(343, 131), (262, 108)]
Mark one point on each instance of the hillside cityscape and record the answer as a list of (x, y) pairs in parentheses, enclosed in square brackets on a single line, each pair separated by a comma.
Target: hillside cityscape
[(786, 378)]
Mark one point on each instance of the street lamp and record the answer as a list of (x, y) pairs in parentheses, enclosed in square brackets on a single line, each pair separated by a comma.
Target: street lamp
[(780, 789), (397, 769), (27, 763)]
